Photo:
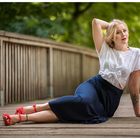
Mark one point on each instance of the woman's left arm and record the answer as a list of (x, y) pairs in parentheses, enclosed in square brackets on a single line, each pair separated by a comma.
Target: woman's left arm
[(134, 88)]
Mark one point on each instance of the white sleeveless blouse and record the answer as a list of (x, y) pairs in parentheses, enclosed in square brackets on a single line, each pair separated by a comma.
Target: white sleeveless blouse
[(116, 66)]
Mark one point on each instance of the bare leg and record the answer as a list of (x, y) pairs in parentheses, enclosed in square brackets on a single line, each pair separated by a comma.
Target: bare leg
[(39, 107), (43, 116)]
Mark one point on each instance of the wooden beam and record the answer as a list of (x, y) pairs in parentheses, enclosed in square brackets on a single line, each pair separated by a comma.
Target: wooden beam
[(51, 73), (59, 46), (2, 100)]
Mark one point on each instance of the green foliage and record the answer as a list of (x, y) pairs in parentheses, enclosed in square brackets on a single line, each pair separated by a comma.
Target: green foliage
[(67, 22)]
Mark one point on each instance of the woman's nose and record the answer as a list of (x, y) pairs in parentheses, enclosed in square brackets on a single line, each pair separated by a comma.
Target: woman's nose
[(123, 33)]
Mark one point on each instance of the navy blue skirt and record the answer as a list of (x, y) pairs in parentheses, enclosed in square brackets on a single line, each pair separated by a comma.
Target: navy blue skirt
[(94, 101)]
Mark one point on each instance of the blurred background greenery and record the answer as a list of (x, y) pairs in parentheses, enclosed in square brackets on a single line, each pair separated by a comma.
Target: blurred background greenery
[(68, 21)]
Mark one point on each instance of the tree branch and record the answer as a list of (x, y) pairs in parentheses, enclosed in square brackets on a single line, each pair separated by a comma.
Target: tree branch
[(79, 11)]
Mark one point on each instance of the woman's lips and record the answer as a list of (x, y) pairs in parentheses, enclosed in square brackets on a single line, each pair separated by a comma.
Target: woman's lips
[(123, 38)]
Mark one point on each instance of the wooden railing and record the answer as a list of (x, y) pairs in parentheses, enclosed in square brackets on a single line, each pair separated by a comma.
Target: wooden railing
[(33, 68)]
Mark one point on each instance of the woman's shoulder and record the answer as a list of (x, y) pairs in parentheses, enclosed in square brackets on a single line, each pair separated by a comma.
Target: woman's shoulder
[(134, 49)]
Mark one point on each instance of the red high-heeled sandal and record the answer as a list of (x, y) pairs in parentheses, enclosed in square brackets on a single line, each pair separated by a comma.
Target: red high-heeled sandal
[(8, 120), (21, 110)]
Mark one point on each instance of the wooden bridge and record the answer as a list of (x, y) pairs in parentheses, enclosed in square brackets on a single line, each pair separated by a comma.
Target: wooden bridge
[(123, 124), (33, 70)]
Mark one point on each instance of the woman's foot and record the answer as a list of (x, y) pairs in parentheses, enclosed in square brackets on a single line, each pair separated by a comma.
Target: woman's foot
[(13, 119)]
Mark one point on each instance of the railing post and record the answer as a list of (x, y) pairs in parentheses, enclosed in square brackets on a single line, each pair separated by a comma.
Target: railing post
[(82, 67), (51, 93), (1, 97), (1, 75)]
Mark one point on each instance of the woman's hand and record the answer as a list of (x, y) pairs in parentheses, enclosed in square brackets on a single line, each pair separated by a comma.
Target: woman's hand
[(134, 88)]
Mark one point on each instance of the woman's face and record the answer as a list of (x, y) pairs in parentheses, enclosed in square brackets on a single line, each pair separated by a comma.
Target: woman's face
[(121, 36)]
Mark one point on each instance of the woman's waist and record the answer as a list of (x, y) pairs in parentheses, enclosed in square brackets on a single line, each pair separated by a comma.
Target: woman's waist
[(109, 83), (114, 81)]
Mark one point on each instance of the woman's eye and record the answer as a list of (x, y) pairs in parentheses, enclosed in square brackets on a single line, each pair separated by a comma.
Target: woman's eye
[(117, 32), (124, 30)]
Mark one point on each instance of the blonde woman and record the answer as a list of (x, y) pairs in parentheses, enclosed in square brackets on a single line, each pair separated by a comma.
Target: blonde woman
[(96, 99)]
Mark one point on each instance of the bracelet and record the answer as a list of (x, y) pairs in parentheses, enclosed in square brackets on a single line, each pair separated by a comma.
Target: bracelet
[(26, 117)]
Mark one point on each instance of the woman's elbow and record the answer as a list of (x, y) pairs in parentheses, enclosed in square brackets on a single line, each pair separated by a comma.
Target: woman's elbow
[(94, 21)]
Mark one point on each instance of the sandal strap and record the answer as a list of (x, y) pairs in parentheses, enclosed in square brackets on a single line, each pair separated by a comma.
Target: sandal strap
[(20, 119), (26, 117), (34, 107)]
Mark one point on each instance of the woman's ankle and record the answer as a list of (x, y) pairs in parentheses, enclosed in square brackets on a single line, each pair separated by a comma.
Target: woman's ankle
[(23, 117)]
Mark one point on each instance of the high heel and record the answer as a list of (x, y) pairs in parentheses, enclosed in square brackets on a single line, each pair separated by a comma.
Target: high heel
[(21, 110), (8, 120)]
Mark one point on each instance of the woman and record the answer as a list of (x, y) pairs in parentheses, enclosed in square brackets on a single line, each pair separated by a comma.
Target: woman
[(96, 99)]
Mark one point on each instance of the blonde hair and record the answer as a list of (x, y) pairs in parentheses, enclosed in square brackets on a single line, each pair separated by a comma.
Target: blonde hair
[(111, 31)]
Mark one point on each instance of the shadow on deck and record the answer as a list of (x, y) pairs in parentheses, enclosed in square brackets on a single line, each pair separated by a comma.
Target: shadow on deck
[(123, 124)]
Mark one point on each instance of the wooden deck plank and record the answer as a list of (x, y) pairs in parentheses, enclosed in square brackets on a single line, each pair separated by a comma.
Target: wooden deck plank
[(65, 131), (123, 124)]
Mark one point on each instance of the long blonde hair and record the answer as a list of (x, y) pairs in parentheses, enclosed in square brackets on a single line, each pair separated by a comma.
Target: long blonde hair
[(111, 32)]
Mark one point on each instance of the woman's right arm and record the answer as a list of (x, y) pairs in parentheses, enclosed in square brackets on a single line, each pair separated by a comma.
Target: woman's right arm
[(134, 87), (97, 27)]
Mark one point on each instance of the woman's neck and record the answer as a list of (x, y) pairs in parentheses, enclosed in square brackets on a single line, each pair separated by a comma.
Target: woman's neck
[(122, 47)]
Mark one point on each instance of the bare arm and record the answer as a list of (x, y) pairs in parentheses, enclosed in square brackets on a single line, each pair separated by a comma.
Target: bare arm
[(134, 87), (97, 27)]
